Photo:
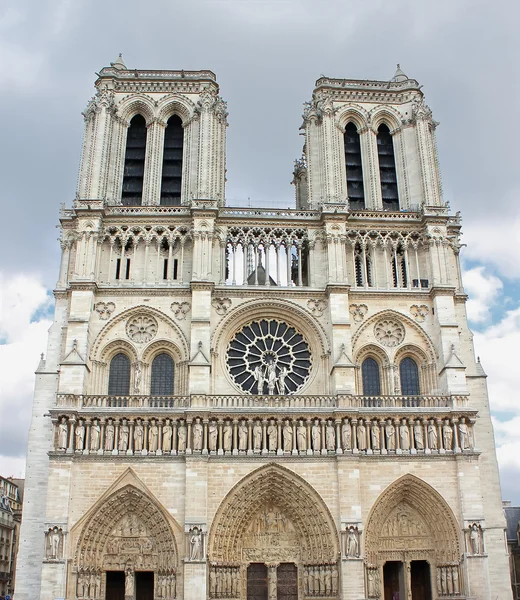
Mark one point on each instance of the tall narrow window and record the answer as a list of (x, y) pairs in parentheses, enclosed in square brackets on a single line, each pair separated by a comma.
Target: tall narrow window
[(162, 375), (119, 375), (387, 172), (172, 162), (363, 273), (409, 374), (133, 175), (399, 272), (355, 189), (370, 377)]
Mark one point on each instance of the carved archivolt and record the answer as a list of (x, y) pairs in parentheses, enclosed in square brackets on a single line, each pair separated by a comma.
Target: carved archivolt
[(273, 514), (411, 517)]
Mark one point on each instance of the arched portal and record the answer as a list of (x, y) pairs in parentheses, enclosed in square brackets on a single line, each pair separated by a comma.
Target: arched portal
[(412, 544), (275, 537), (126, 543)]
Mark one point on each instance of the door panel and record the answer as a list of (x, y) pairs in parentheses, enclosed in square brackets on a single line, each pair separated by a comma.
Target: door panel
[(287, 582), (257, 582)]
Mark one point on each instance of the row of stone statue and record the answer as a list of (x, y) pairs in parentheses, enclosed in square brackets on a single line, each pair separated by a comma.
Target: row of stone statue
[(165, 587), (320, 581), (224, 582), (88, 586), (280, 436), (448, 580)]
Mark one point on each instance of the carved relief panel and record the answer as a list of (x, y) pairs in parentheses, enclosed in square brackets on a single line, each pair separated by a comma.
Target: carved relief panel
[(130, 543)]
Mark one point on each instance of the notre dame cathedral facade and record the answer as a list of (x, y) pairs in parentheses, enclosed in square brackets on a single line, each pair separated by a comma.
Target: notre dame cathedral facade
[(240, 403)]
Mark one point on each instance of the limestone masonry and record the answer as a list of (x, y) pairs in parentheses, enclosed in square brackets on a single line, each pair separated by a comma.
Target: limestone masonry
[(264, 404)]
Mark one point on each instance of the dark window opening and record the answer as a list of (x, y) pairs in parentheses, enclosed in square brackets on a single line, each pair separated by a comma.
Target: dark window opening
[(133, 175), (165, 269), (127, 274), (370, 377), (119, 375), (409, 374), (162, 375), (399, 273), (387, 170), (175, 268), (354, 168), (118, 268), (361, 273), (171, 182)]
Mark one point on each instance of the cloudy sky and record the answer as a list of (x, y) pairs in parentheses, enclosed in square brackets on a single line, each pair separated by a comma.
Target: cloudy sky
[(267, 55)]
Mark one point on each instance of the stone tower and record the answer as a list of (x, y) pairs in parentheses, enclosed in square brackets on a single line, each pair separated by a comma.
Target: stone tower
[(255, 404)]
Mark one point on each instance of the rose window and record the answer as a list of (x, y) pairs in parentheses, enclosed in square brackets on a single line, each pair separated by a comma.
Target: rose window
[(269, 357), (390, 332), (141, 329)]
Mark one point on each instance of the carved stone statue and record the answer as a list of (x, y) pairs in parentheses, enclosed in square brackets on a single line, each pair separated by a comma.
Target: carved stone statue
[(334, 580), (227, 435), (258, 374), (79, 435), (346, 435), (404, 436), (272, 433), (475, 538), (376, 436), (257, 436), (153, 436), (447, 435), (301, 437), (330, 436), (197, 434), (138, 436), (352, 548), (54, 543), (212, 436), (196, 544), (390, 435), (95, 433), (272, 379), (281, 380), (124, 434), (212, 583), (287, 436), (316, 436), (361, 435), (463, 435), (62, 434), (167, 434), (109, 435), (242, 436), (181, 434), (418, 435), (373, 583), (432, 436), (129, 583)]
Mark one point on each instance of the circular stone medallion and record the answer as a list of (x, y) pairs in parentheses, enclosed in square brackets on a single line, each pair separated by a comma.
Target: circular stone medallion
[(141, 329), (390, 332)]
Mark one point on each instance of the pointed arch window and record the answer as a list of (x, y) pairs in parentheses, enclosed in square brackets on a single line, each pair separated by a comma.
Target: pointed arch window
[(409, 375), (171, 182), (354, 168), (162, 375), (363, 266), (370, 377), (387, 171), (399, 270), (133, 174), (119, 375)]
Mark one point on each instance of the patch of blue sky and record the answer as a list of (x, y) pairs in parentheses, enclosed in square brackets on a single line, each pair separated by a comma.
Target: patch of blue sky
[(45, 310)]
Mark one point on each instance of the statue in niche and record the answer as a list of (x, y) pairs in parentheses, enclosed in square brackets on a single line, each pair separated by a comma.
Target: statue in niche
[(109, 435), (54, 543), (242, 436), (281, 380), (63, 430), (346, 435), (306, 581), (95, 434), (235, 583), (316, 436), (352, 546), (129, 583), (227, 436), (287, 436), (404, 434), (197, 434), (330, 436), (272, 435), (455, 576), (212, 436), (432, 436), (463, 435), (79, 435), (138, 436), (361, 435), (212, 583), (447, 434), (328, 580), (167, 434), (80, 586), (272, 379), (153, 436), (418, 435), (376, 439), (311, 581), (390, 435), (301, 437), (334, 580), (124, 435), (475, 538), (196, 544), (181, 434), (138, 376), (258, 374), (257, 436)]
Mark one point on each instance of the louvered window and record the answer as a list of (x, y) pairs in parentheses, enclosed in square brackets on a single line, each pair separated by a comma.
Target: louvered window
[(133, 176), (370, 376), (409, 374), (355, 188), (162, 375), (119, 376), (387, 172), (172, 162)]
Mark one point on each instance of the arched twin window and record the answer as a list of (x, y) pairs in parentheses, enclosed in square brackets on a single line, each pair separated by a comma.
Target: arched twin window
[(172, 162), (408, 374), (354, 168), (133, 174), (387, 171), (162, 377)]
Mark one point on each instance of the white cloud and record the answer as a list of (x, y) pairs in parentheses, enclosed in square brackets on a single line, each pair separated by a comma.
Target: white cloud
[(483, 289)]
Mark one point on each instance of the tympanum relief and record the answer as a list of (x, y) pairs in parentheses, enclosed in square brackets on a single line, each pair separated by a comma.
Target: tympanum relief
[(130, 541)]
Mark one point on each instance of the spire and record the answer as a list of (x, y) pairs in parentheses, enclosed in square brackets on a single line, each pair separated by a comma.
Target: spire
[(119, 63), (399, 75)]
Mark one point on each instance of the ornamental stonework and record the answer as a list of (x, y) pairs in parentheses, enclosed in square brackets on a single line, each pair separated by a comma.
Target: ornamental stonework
[(389, 332), (141, 329)]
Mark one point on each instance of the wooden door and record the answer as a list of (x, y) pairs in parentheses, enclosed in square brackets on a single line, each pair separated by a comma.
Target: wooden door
[(257, 582), (287, 582)]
